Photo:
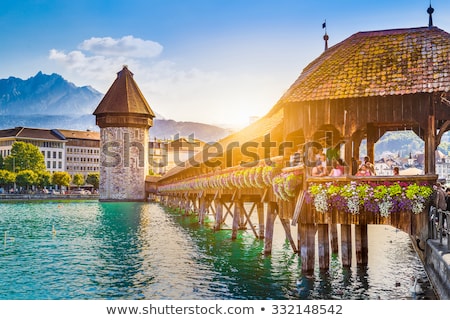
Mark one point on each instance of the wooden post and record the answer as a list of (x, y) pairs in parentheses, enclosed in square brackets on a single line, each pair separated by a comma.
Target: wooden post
[(287, 230), (346, 244), (430, 143), (236, 219), (334, 238), (260, 210), (187, 204), (202, 209), (271, 215), (361, 244), (219, 211), (307, 246), (323, 246)]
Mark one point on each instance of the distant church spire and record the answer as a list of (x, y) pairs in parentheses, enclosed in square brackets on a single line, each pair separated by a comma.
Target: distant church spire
[(325, 36), (430, 11)]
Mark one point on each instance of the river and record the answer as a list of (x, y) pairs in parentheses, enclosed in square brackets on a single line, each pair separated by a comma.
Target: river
[(95, 250)]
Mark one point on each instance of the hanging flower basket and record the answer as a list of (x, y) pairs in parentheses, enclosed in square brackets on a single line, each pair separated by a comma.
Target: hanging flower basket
[(383, 199)]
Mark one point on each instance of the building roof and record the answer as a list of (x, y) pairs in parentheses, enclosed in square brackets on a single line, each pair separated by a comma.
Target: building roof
[(31, 133), (80, 135), (377, 63), (124, 97)]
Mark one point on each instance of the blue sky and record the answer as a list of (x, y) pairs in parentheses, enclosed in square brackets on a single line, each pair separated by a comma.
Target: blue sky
[(211, 61)]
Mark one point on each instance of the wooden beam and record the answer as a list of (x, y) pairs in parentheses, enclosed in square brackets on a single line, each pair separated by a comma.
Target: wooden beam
[(346, 245), (307, 246), (271, 215), (361, 244), (298, 206), (323, 246), (287, 231)]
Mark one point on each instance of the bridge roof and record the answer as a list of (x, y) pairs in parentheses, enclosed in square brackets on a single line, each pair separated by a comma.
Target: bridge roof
[(377, 63), (253, 132)]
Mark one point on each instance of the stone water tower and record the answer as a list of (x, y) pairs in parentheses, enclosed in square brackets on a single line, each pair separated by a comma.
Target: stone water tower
[(124, 118)]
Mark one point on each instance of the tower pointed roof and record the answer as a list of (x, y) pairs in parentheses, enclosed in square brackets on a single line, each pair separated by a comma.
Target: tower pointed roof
[(124, 104)]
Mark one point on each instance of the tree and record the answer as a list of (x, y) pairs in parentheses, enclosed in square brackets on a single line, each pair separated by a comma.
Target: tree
[(44, 179), (94, 179), (26, 178), (78, 179), (61, 178), (7, 178), (24, 156)]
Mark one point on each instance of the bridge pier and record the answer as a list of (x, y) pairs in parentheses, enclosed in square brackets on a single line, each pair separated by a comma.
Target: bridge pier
[(324, 246)]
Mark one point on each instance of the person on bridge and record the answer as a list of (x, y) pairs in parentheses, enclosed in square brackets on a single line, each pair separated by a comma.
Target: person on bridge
[(440, 202)]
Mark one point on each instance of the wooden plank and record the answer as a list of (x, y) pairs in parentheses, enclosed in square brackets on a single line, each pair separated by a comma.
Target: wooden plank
[(298, 207)]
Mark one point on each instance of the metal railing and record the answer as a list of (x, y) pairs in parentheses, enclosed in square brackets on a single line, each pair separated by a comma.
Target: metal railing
[(439, 225)]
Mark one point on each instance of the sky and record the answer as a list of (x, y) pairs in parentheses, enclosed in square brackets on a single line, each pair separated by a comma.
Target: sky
[(219, 62)]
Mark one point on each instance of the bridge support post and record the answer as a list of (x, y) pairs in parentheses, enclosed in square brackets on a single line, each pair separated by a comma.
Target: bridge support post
[(202, 210), (287, 230), (187, 205), (219, 214), (334, 238), (236, 219), (361, 244), (307, 250), (346, 244), (270, 221), (323, 246), (260, 211)]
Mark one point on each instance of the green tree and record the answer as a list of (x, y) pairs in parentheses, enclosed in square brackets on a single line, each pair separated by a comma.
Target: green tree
[(61, 178), (94, 179), (24, 156), (2, 162), (78, 179), (44, 179), (26, 178), (7, 178)]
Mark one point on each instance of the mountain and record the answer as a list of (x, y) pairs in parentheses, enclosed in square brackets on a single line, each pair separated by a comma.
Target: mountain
[(50, 101), (46, 95)]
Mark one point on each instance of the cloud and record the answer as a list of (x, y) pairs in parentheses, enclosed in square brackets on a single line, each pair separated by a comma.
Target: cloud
[(97, 69), (127, 46), (181, 93)]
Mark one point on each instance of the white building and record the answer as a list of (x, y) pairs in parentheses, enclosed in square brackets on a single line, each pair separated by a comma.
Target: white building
[(50, 142)]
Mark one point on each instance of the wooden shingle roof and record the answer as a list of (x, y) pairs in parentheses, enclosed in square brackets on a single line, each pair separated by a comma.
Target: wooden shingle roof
[(377, 63), (124, 97)]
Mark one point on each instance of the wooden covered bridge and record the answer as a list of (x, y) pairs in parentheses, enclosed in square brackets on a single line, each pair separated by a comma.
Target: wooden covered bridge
[(358, 89)]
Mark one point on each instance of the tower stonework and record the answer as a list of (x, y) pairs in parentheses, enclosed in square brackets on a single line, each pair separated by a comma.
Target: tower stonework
[(124, 118)]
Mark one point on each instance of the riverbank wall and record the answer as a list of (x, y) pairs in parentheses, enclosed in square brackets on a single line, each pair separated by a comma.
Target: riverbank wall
[(42, 197), (437, 266)]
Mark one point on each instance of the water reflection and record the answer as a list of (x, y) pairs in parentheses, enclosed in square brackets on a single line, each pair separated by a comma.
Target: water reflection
[(141, 251)]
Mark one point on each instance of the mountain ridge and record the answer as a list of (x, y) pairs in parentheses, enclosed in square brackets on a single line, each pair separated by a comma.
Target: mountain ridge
[(50, 101)]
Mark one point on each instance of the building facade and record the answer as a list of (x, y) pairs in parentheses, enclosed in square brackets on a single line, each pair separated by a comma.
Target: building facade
[(50, 142), (82, 151)]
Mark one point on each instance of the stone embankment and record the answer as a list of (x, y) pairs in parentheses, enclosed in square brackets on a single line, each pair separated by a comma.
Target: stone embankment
[(21, 197)]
